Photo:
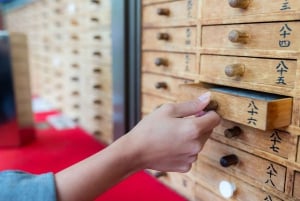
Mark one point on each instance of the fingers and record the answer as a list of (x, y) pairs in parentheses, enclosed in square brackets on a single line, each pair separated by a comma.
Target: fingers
[(207, 122), (189, 108)]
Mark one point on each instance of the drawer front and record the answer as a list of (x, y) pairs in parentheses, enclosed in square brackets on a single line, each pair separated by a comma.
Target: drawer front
[(262, 171), (161, 86), (168, 63), (274, 141), (264, 36), (216, 11), (150, 102), (296, 192), (97, 56), (182, 38), (166, 14), (272, 75), (212, 178), (96, 84), (182, 184), (258, 110)]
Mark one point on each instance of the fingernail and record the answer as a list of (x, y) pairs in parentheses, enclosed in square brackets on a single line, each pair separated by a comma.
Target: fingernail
[(204, 97)]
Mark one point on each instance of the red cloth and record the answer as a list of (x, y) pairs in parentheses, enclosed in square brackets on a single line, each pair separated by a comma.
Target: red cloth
[(55, 150)]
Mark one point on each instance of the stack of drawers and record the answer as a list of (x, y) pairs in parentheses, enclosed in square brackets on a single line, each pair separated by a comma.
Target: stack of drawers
[(246, 53), (70, 58)]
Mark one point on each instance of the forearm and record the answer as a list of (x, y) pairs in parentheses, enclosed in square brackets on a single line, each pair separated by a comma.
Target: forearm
[(94, 175)]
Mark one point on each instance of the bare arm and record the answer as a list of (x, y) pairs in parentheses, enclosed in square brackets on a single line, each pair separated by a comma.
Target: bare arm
[(162, 141)]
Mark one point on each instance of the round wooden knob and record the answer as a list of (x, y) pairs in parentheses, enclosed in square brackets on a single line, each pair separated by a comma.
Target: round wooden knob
[(235, 70), (229, 160), (212, 105), (163, 36), (238, 36), (233, 132), (161, 62), (239, 3), (161, 85), (163, 11)]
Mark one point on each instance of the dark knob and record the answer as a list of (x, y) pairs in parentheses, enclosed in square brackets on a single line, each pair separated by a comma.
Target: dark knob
[(163, 36), (159, 174), (161, 62), (95, 1), (212, 105), (233, 132), (163, 11), (97, 86), (236, 36), (97, 117), (239, 3), (161, 85), (229, 160), (97, 102)]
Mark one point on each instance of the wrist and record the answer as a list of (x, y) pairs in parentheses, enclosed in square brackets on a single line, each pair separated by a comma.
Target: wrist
[(130, 153)]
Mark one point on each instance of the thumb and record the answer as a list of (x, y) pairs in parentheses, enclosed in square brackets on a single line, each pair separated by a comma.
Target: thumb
[(192, 107)]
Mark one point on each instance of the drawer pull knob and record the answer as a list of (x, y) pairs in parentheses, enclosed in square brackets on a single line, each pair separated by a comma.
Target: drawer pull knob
[(161, 85), (163, 11), (235, 70), (233, 132), (229, 160), (163, 36), (236, 36), (159, 174), (239, 3), (227, 189), (161, 62), (212, 105)]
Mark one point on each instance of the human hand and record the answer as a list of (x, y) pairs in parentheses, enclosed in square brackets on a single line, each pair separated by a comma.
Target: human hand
[(170, 138)]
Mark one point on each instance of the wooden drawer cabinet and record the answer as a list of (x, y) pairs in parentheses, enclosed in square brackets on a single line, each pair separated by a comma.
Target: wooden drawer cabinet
[(248, 57), (166, 14), (216, 11), (264, 172), (252, 140), (254, 109), (279, 36), (169, 63), (212, 180), (178, 38), (243, 72)]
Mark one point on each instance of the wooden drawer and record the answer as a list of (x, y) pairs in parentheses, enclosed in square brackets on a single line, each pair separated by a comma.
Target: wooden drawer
[(162, 86), (296, 192), (150, 102), (170, 14), (180, 38), (210, 178), (216, 11), (254, 109), (183, 184), (275, 142), (249, 167), (97, 56), (167, 63), (278, 75), (280, 36)]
